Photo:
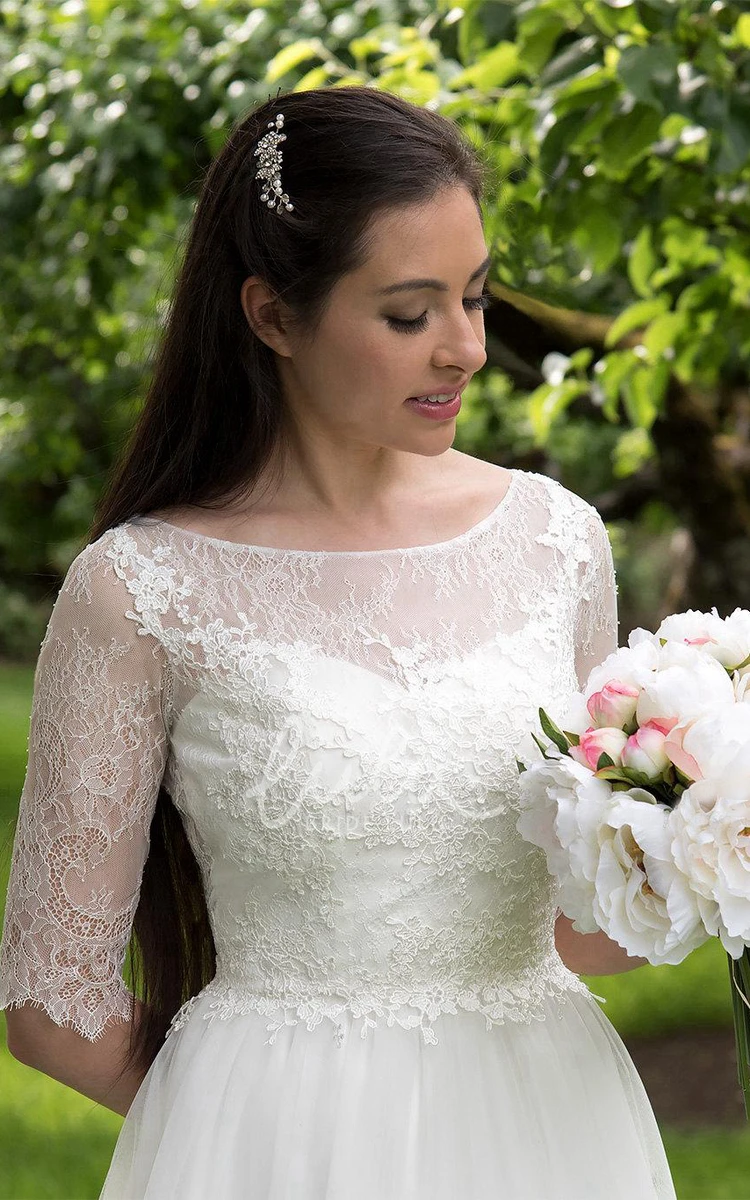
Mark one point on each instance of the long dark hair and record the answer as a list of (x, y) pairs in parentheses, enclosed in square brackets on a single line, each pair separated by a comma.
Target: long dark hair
[(213, 415)]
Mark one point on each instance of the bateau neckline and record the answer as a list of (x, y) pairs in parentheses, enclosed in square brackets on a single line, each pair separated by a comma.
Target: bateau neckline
[(295, 552)]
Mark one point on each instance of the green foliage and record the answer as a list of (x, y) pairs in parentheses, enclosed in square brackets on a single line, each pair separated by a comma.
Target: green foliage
[(627, 193), (650, 1001), (710, 1165), (55, 1144), (618, 136)]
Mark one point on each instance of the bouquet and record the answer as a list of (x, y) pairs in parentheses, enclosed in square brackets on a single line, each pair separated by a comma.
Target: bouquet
[(641, 799)]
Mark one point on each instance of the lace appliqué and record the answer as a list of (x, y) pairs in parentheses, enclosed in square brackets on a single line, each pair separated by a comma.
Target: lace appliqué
[(339, 734), (521, 1002)]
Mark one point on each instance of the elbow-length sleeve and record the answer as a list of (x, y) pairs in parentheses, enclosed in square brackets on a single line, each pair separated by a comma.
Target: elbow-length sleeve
[(98, 746), (596, 626)]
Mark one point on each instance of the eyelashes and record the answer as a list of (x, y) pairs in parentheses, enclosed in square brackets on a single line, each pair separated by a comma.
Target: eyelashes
[(420, 323)]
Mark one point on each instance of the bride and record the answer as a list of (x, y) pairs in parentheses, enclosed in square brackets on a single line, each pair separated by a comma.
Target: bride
[(276, 718)]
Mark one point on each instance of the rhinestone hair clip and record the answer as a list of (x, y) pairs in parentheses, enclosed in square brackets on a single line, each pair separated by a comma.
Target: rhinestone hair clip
[(270, 166)]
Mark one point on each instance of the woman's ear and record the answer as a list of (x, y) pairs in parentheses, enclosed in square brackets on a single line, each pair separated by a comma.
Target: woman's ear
[(264, 314)]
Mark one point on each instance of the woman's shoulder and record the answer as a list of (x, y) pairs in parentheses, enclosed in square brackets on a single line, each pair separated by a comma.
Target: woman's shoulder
[(560, 497)]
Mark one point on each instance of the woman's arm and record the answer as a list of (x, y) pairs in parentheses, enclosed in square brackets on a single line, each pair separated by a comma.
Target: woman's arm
[(98, 746), (91, 1068), (596, 637), (591, 953)]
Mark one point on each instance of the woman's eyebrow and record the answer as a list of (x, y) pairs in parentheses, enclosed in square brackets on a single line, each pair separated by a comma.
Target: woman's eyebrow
[(415, 284)]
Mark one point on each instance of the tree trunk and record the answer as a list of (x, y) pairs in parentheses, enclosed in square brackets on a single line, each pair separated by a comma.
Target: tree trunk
[(711, 498), (702, 473)]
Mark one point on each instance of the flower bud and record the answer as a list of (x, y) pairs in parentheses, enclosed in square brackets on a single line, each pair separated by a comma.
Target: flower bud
[(596, 742), (615, 705), (645, 751)]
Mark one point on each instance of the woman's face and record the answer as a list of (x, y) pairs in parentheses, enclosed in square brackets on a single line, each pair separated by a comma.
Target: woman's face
[(375, 349)]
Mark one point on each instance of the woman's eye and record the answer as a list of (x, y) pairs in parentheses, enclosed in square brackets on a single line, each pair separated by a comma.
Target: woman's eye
[(420, 323)]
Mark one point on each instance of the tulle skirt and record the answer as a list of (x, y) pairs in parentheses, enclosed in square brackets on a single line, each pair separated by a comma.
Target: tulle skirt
[(550, 1110)]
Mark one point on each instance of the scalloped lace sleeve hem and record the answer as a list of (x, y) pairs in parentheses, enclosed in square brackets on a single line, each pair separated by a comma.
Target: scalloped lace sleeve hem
[(116, 1008)]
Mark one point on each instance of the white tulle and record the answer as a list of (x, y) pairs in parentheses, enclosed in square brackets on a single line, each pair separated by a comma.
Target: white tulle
[(552, 1110), (389, 1019)]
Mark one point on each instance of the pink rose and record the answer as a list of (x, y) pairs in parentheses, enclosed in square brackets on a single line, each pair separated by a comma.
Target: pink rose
[(645, 750), (614, 705), (596, 742)]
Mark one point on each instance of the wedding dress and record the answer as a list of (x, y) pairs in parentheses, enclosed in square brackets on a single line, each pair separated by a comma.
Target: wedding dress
[(389, 1019)]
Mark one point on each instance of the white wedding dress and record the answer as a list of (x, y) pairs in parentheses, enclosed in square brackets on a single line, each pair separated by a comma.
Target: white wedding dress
[(389, 1019)]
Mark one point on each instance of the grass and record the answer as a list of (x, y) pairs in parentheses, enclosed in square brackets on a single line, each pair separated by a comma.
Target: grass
[(650, 1001), (714, 1165), (56, 1144)]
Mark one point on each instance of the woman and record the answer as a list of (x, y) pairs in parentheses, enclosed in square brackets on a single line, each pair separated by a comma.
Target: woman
[(275, 728)]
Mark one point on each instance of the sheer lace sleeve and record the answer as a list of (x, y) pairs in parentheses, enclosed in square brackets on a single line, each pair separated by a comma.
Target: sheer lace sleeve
[(596, 621), (97, 753)]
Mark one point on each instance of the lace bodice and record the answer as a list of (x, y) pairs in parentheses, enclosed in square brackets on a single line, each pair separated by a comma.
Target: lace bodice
[(339, 731)]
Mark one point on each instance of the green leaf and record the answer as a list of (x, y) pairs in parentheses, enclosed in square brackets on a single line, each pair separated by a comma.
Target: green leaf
[(579, 54), (547, 402), (638, 778), (610, 373), (291, 56), (573, 93), (642, 68), (633, 449), (536, 38), (664, 331), (643, 391), (735, 141), (742, 29), (610, 772), (642, 262), (553, 733), (492, 69), (687, 243), (541, 746), (598, 235), (604, 761), (635, 316), (627, 139)]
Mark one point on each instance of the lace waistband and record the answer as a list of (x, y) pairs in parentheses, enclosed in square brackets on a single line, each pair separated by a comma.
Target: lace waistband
[(410, 1008)]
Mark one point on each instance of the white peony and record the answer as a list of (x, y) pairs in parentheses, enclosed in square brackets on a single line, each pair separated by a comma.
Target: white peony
[(686, 685), (563, 806), (738, 628), (629, 664), (727, 639), (742, 686), (642, 901), (710, 829), (658, 881), (692, 626), (710, 738), (569, 712)]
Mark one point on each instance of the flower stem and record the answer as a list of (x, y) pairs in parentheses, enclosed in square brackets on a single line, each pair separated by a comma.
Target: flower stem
[(739, 973)]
